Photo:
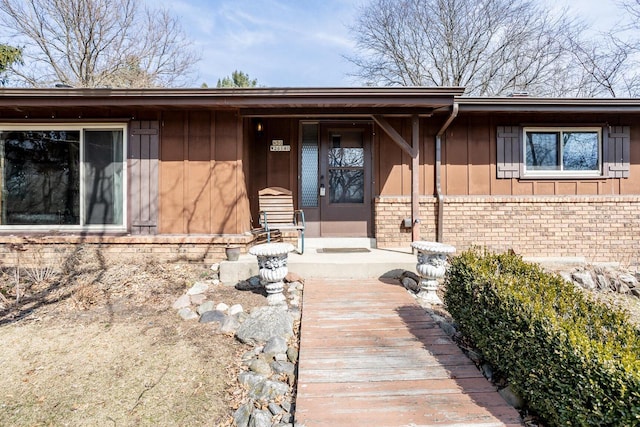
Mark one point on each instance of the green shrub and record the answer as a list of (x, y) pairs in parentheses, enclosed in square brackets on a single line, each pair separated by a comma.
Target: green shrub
[(574, 360)]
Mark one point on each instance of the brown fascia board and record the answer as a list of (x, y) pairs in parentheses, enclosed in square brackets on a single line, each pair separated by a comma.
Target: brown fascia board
[(524, 104), (263, 98)]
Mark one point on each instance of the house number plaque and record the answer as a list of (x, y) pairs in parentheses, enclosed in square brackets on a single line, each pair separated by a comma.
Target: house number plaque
[(278, 145)]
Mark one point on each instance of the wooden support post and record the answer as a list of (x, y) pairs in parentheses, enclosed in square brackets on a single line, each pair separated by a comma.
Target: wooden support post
[(415, 178)]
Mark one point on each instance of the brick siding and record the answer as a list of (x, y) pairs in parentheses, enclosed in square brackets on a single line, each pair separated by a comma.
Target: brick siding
[(598, 228), (31, 251)]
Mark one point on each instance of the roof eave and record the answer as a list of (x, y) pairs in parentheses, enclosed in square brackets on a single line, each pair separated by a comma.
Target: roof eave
[(548, 105), (403, 97)]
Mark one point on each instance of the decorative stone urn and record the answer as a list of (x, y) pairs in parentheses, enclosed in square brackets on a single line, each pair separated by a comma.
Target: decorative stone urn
[(272, 264), (432, 265)]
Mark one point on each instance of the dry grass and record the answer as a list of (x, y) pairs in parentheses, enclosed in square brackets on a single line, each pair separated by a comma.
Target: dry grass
[(99, 344)]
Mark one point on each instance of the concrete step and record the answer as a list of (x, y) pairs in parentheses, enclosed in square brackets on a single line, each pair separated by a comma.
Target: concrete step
[(339, 242), (375, 263)]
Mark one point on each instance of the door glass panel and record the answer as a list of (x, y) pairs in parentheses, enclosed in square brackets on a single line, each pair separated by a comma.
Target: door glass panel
[(346, 157), (346, 168), (346, 185), (40, 177), (309, 173)]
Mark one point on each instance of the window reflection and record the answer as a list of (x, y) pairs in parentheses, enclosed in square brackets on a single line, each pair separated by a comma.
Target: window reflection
[(41, 177), (347, 186), (346, 168)]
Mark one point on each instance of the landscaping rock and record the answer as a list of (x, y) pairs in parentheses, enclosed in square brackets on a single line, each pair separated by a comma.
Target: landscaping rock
[(260, 418), (205, 306), (280, 356), (269, 390), (410, 284), (584, 279), (198, 299), (243, 415), (487, 371), (265, 323), (511, 397), (275, 345), (259, 366), (282, 367), (448, 329), (623, 288), (566, 276), (187, 314), (198, 288), (250, 284), (292, 355), (628, 280), (182, 302), (230, 325), (222, 307), (250, 379), (275, 409), (603, 284), (241, 316), (251, 354), (213, 316), (235, 309)]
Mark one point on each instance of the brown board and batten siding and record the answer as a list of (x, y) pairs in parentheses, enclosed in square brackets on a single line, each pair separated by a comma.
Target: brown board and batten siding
[(392, 174), (202, 177), (471, 158), (471, 154), (271, 168)]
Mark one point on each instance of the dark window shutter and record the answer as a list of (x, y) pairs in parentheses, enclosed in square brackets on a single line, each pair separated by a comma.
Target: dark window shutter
[(143, 176), (509, 151), (616, 146)]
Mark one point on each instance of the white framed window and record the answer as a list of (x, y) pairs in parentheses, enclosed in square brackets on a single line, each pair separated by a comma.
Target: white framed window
[(562, 151), (63, 176)]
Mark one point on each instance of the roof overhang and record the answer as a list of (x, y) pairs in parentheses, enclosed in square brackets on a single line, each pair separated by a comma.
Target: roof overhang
[(524, 104), (252, 101)]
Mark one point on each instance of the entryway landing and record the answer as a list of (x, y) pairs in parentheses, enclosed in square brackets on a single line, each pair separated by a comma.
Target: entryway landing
[(331, 258)]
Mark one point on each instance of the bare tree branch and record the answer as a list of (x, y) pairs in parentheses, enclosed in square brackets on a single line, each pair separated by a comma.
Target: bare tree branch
[(98, 43), (491, 47)]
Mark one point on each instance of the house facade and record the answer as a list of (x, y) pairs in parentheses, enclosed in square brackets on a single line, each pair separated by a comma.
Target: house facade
[(175, 174)]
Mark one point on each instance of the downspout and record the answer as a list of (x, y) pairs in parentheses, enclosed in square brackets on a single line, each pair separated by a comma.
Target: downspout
[(438, 178)]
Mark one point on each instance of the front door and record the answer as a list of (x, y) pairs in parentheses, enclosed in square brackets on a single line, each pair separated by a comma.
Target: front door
[(343, 181), (336, 179)]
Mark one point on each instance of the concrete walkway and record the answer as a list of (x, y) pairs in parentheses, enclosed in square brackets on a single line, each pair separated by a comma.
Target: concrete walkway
[(370, 356)]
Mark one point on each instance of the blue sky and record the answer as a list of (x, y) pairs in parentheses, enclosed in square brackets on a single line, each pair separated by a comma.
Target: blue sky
[(281, 43), (293, 43)]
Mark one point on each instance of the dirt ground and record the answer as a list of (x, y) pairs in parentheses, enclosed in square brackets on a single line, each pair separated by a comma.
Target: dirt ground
[(99, 344)]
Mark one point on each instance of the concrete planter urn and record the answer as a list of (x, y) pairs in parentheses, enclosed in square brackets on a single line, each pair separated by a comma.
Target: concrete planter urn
[(272, 264), (432, 266)]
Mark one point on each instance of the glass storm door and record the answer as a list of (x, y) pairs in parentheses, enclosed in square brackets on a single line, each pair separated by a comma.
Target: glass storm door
[(345, 181)]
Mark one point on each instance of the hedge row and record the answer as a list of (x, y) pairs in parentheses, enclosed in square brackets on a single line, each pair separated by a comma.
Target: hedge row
[(574, 360)]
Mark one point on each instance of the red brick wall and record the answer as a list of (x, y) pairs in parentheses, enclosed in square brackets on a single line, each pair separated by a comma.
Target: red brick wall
[(598, 228), (57, 250)]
